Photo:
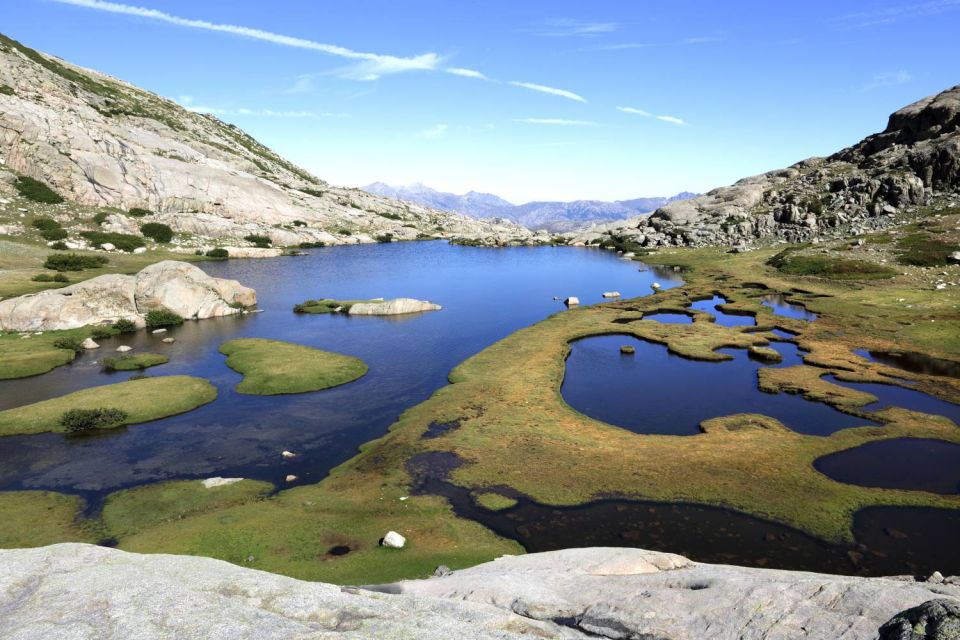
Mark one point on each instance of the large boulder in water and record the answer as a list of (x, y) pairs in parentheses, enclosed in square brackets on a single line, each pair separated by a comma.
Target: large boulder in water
[(395, 307), (178, 286)]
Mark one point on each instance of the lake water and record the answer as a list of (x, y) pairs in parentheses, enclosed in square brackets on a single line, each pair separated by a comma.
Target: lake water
[(486, 294)]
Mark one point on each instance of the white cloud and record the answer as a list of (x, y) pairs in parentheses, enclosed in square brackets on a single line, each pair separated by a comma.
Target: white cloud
[(369, 66), (623, 46), (187, 102), (558, 122), (672, 120), (702, 40), (888, 79), (435, 131), (634, 111), (577, 28), (563, 93), (466, 73)]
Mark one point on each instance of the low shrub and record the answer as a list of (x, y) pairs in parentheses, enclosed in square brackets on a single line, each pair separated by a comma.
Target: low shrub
[(100, 333), (299, 223), (125, 326), (70, 343), (259, 240), (101, 217), (37, 191), (312, 245), (59, 245), (220, 253), (386, 237), (84, 420), (316, 193), (53, 234), (139, 212), (7, 90), (45, 224), (162, 318), (47, 277), (73, 262), (389, 215), (158, 231), (122, 241)]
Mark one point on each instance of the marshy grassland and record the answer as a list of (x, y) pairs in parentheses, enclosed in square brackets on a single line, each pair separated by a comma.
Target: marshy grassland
[(513, 429), (272, 367)]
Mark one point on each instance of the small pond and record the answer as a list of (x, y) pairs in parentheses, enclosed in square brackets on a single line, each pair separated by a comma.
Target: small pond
[(897, 396), (918, 464), (913, 362), (781, 307), (723, 318), (654, 391)]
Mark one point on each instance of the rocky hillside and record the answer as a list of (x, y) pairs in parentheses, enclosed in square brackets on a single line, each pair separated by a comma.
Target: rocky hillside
[(101, 142), (915, 161), (82, 591), (547, 215)]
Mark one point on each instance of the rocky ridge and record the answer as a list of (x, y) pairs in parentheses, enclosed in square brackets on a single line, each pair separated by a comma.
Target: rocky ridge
[(175, 286), (915, 161), (99, 141), (84, 591)]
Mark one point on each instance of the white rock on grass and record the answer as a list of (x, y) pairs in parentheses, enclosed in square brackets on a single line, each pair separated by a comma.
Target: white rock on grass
[(217, 481), (394, 540)]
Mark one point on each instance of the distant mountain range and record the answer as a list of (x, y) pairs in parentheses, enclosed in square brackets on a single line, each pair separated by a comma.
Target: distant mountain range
[(553, 216)]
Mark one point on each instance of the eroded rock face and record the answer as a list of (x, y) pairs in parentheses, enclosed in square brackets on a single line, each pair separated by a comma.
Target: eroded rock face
[(83, 591), (861, 188), (178, 286), (394, 307)]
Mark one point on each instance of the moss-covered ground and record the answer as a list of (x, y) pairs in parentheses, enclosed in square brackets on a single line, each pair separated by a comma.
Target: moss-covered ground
[(134, 361), (272, 367), (143, 400)]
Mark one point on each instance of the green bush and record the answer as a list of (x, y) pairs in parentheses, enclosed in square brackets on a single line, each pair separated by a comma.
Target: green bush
[(84, 420), (37, 191), (162, 318), (299, 223), (45, 224), (125, 326), (312, 245), (73, 262), (46, 277), (390, 216), (139, 212), (316, 193), (101, 217), (219, 253), (71, 343), (386, 237), (122, 241), (260, 241), (53, 234), (7, 90), (158, 231), (59, 245), (99, 333)]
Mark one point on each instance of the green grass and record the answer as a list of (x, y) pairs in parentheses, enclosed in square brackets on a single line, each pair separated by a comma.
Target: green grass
[(133, 510), (143, 400), (494, 501), (272, 367), (133, 362), (922, 250), (39, 518), (22, 357), (787, 262)]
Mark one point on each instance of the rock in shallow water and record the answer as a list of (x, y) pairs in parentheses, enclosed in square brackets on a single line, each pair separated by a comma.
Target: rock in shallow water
[(395, 307)]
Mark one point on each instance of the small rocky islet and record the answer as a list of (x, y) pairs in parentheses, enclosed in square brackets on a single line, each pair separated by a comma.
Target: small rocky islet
[(844, 258)]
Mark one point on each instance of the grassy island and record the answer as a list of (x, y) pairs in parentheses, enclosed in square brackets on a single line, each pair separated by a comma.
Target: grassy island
[(140, 400), (272, 367), (134, 362)]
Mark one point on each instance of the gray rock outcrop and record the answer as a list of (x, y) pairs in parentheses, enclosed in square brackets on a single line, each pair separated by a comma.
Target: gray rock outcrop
[(99, 141), (394, 307), (74, 591), (860, 188), (177, 286)]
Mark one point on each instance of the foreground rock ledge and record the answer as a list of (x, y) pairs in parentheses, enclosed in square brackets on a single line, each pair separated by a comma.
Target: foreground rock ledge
[(72, 591), (170, 284)]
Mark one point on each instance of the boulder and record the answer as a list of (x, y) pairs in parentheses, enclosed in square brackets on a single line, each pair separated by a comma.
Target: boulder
[(177, 286), (89, 344), (954, 257), (611, 294), (108, 246), (169, 340), (627, 349), (393, 540), (397, 306), (124, 348), (933, 620), (156, 331), (217, 481), (572, 301), (290, 478)]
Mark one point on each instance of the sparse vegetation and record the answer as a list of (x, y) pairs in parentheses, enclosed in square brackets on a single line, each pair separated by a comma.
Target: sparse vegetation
[(158, 231), (788, 262), (219, 253), (260, 241), (73, 262), (123, 325), (922, 250), (7, 90), (48, 277), (33, 189), (157, 318)]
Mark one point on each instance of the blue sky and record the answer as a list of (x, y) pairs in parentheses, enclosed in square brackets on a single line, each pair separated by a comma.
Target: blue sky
[(607, 99)]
